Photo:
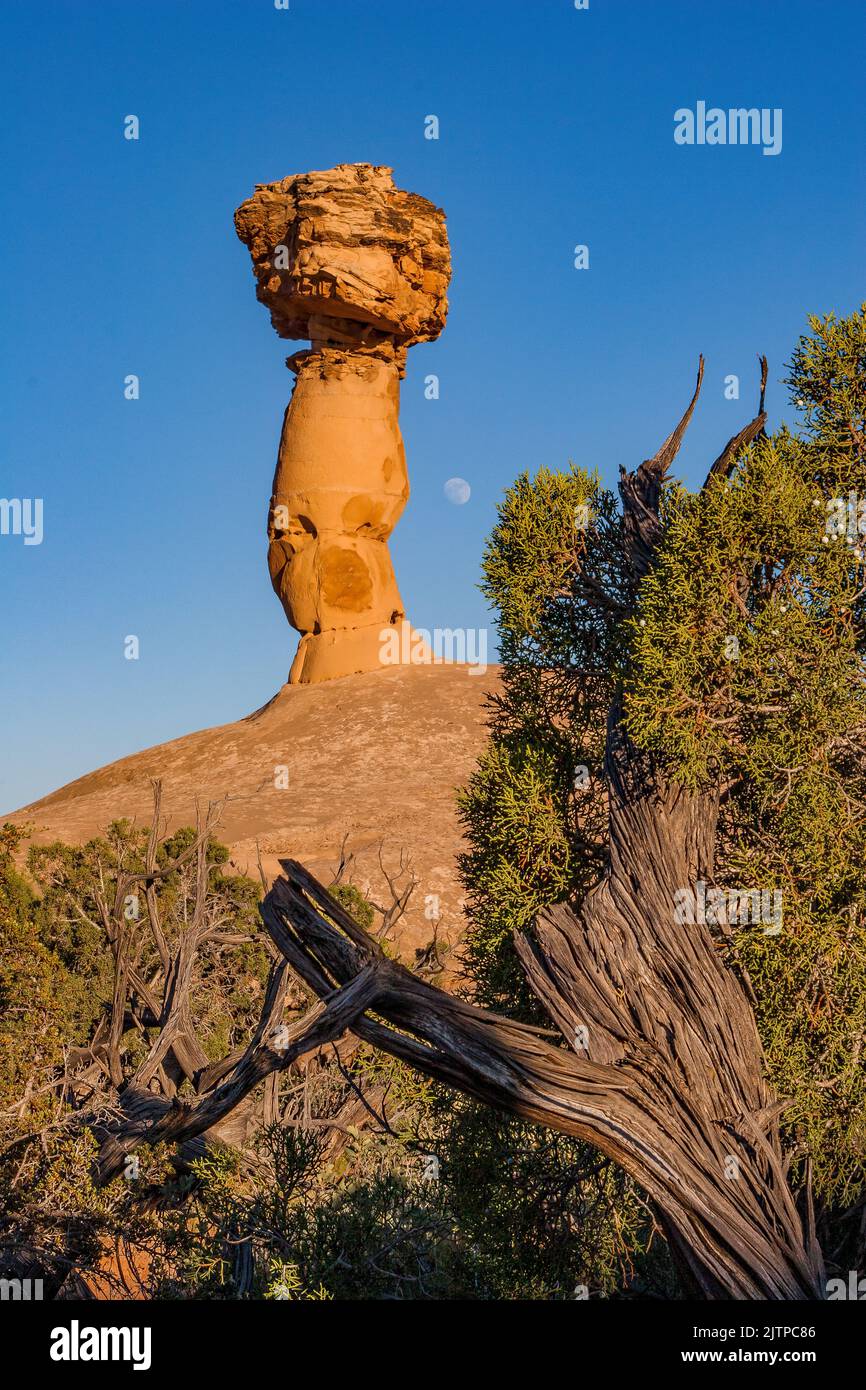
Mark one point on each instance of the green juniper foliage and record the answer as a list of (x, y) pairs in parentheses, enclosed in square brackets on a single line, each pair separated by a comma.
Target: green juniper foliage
[(742, 668), (56, 982), (33, 985), (551, 1215), (748, 651), (353, 900), (534, 809), (230, 977)]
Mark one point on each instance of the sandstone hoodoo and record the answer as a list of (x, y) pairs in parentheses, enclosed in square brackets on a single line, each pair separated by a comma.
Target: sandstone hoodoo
[(360, 269)]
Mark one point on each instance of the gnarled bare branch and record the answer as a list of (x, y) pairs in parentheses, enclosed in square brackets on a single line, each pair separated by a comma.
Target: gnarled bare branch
[(724, 464)]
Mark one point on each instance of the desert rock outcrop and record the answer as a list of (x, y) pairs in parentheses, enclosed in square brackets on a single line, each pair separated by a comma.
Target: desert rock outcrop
[(361, 269)]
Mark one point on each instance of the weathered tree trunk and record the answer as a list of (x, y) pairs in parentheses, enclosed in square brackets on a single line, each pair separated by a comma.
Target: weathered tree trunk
[(677, 1096), (655, 999), (672, 1086)]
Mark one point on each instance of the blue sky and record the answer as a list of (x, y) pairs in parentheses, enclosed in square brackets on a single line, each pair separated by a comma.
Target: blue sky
[(556, 128)]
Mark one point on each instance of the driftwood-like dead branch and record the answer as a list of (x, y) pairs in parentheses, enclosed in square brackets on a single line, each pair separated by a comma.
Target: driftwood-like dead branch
[(152, 1119), (678, 1099), (400, 892), (641, 492), (724, 464)]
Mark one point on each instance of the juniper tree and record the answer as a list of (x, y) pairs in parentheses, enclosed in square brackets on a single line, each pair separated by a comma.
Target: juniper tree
[(746, 673), (710, 650), (795, 837)]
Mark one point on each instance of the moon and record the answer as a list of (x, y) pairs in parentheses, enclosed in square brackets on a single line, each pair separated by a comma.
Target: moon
[(458, 491)]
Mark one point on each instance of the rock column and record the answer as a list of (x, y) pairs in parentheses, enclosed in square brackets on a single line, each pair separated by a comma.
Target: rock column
[(361, 270)]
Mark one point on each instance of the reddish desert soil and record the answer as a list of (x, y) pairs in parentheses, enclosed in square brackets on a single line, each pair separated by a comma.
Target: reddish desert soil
[(376, 756)]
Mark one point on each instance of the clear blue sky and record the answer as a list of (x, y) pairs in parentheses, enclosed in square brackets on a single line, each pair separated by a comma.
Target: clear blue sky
[(556, 129)]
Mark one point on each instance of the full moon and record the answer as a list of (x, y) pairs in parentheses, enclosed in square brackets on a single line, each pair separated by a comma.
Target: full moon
[(458, 491)]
